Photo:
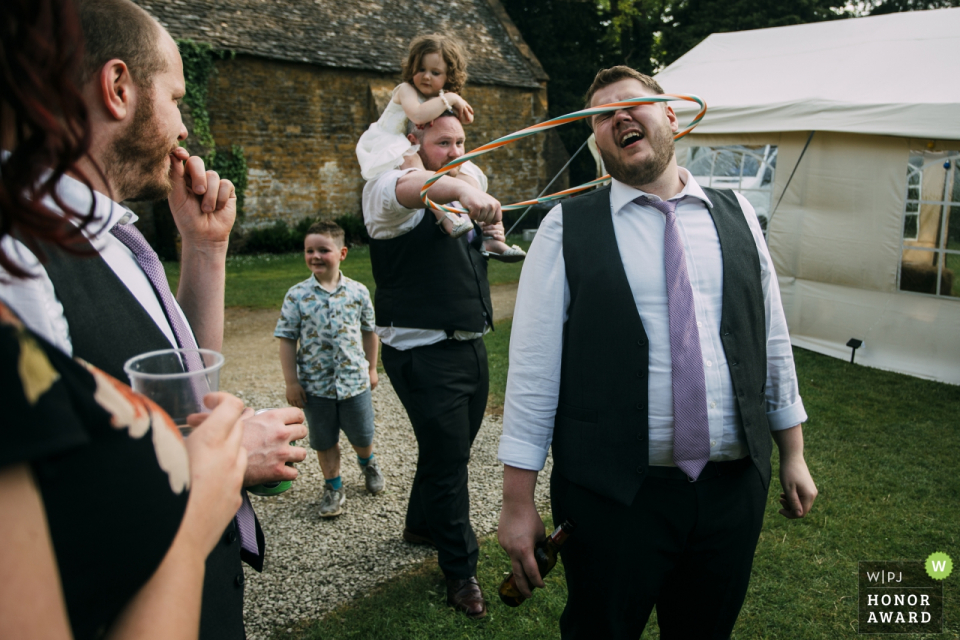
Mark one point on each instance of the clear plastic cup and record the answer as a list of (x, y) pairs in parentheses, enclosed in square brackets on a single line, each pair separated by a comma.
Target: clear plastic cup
[(162, 376)]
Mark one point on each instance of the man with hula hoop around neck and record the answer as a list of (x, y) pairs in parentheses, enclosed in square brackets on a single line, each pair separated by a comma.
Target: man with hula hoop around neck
[(650, 350)]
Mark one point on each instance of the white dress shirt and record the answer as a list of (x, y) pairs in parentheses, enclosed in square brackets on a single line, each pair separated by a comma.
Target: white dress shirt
[(34, 299), (386, 218), (533, 381)]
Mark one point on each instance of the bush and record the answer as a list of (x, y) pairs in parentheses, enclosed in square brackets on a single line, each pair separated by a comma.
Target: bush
[(354, 229), (279, 237)]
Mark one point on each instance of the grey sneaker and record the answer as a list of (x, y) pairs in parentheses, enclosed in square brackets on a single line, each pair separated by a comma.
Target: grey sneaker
[(372, 477), (332, 502)]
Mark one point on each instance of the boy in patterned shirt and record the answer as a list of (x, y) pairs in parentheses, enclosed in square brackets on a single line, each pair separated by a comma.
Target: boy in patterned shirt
[(332, 373)]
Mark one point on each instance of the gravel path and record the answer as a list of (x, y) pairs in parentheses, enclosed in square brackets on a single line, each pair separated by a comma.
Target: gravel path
[(312, 564)]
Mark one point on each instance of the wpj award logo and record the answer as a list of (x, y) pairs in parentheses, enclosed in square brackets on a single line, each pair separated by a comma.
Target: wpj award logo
[(903, 596)]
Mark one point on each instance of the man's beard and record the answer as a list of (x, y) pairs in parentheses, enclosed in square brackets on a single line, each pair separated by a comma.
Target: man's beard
[(647, 171), (137, 158)]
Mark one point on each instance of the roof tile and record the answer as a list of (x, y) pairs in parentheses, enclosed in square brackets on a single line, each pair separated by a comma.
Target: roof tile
[(355, 34)]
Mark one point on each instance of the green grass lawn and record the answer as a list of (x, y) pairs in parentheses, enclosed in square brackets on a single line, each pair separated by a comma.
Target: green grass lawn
[(882, 448), (260, 282)]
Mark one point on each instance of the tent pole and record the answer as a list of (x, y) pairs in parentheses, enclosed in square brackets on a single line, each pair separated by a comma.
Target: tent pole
[(564, 168), (784, 192)]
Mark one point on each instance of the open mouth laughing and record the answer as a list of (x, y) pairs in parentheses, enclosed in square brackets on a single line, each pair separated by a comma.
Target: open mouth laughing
[(631, 137)]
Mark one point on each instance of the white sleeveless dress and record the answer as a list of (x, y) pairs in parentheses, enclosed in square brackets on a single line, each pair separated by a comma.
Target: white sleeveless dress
[(383, 146)]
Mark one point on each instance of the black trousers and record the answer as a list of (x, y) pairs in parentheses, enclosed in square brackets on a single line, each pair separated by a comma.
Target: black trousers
[(685, 547), (444, 389)]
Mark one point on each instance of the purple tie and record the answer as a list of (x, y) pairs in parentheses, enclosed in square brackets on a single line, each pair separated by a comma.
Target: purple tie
[(691, 429), (147, 258), (131, 237), (246, 521)]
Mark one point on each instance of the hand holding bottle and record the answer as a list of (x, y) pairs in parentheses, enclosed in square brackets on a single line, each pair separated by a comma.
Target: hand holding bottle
[(545, 553)]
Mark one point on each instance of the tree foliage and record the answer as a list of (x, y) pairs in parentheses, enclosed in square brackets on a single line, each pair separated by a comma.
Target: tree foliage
[(688, 22), (570, 41), (898, 6)]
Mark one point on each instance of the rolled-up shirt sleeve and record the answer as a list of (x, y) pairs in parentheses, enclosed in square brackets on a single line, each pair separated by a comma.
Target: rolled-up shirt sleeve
[(784, 404), (533, 380), (383, 214), (472, 170)]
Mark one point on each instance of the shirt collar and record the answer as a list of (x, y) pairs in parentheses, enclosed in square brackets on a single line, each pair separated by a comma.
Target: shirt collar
[(316, 284), (622, 194), (108, 213), (77, 195)]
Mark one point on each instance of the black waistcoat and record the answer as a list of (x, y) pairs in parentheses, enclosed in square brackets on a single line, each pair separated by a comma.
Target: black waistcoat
[(600, 435), (427, 280), (107, 327)]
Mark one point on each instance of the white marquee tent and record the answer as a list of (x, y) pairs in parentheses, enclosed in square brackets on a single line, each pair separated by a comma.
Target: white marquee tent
[(862, 235)]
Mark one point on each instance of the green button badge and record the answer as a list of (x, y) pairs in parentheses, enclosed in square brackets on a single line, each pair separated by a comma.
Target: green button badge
[(939, 565)]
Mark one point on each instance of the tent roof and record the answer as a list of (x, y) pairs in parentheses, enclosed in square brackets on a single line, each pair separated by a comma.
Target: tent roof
[(889, 75)]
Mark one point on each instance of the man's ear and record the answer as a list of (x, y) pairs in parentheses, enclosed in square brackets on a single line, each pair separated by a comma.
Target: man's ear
[(412, 138), (672, 117), (116, 89)]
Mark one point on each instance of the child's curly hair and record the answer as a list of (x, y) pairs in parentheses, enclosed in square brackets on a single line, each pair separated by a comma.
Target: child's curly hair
[(452, 53)]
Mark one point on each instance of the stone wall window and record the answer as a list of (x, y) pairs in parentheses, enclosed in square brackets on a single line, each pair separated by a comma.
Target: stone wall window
[(931, 224), (747, 170)]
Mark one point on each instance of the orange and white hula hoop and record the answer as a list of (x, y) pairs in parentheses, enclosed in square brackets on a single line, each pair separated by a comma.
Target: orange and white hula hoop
[(550, 124)]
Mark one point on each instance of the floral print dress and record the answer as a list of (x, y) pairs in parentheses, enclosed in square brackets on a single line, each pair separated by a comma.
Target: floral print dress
[(111, 468)]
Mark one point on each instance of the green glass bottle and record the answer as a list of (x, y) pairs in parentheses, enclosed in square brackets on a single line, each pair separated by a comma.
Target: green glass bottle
[(545, 553)]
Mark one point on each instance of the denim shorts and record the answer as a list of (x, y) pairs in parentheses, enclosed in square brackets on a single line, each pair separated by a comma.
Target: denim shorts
[(327, 416)]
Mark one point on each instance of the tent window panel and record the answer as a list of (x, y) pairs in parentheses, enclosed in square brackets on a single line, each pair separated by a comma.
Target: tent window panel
[(930, 260), (952, 266), (911, 222), (953, 229), (747, 170)]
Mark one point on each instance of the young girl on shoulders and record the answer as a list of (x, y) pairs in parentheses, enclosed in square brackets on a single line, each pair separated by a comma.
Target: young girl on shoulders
[(433, 74)]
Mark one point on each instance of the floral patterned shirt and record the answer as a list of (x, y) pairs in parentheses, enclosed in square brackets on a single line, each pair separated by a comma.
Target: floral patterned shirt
[(330, 359)]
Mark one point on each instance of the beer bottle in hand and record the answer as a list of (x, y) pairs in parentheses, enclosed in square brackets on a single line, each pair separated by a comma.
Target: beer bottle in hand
[(545, 554)]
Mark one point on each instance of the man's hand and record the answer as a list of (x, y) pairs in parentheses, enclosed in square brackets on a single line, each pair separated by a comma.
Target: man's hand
[(267, 438), (520, 526), (296, 396), (203, 205), (374, 378), (799, 491), (482, 207)]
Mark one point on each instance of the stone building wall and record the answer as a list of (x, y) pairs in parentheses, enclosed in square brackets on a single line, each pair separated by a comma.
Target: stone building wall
[(299, 124)]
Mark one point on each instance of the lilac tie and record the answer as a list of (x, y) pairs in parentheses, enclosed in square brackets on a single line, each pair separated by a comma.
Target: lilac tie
[(691, 429), (147, 258), (131, 237)]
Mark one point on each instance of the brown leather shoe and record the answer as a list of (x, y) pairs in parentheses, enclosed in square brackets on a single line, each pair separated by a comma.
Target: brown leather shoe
[(465, 595), (417, 538)]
